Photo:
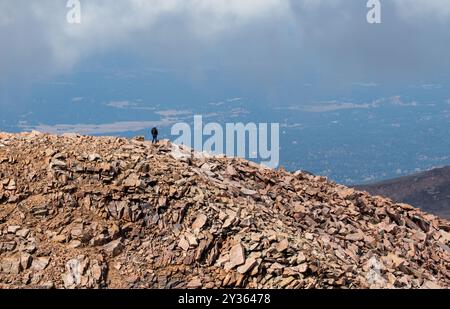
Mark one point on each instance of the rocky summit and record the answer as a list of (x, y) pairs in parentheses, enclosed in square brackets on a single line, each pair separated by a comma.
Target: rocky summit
[(107, 212)]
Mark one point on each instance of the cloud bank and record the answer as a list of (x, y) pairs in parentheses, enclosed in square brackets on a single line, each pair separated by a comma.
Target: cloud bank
[(267, 39)]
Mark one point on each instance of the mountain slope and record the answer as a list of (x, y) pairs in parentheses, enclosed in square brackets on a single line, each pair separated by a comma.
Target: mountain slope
[(105, 212), (429, 190)]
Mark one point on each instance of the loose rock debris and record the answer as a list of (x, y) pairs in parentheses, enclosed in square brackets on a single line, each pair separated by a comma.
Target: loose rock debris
[(106, 212)]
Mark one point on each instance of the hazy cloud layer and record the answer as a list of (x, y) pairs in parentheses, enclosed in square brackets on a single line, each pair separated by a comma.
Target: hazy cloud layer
[(260, 41), (335, 105), (106, 128)]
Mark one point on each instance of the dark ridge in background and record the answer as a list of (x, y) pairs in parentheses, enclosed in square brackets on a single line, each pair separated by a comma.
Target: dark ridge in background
[(429, 190)]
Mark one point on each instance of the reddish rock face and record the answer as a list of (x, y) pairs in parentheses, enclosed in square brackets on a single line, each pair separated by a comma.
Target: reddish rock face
[(105, 212), (237, 255)]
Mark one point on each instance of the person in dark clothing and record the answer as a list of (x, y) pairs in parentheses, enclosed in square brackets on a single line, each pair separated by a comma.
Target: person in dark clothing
[(155, 135)]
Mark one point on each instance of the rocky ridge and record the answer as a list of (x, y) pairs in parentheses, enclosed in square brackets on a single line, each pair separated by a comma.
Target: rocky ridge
[(106, 212)]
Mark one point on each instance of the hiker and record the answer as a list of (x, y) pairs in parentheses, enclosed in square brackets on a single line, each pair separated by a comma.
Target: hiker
[(155, 135)]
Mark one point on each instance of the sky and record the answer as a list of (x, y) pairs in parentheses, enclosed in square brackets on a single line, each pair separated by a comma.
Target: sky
[(277, 39), (131, 64)]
